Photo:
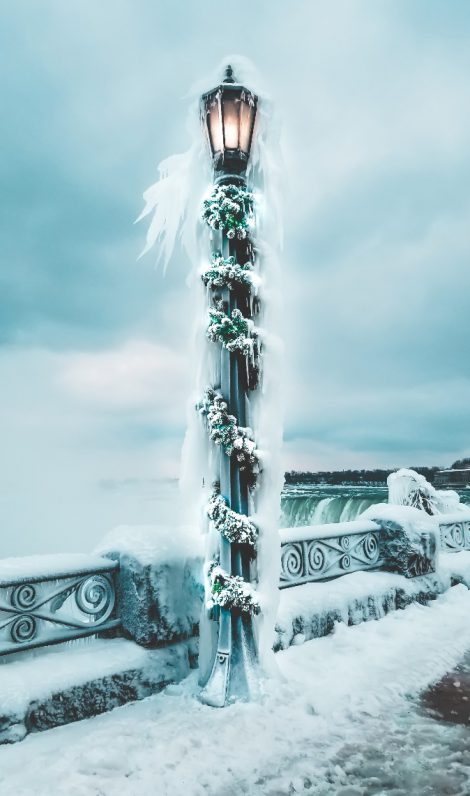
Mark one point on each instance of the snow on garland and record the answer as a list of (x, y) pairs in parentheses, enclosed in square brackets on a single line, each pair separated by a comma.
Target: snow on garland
[(235, 332), (224, 431), (235, 527), (231, 591), (229, 208), (226, 272)]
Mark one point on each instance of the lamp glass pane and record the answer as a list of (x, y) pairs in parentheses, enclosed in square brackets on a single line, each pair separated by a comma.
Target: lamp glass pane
[(247, 113), (231, 108), (215, 128)]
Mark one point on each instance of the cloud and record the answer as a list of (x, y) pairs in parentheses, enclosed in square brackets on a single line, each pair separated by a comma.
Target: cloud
[(60, 447), (93, 363), (138, 375)]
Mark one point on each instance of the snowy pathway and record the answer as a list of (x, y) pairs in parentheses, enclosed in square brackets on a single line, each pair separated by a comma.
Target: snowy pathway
[(342, 722)]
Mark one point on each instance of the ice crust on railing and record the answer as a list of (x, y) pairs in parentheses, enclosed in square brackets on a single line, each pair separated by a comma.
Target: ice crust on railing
[(327, 531), (49, 566), (409, 488)]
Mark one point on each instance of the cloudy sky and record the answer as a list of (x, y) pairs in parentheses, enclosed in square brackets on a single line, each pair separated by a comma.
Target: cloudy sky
[(94, 374)]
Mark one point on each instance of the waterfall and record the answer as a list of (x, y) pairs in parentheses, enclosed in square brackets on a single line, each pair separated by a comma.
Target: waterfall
[(317, 505)]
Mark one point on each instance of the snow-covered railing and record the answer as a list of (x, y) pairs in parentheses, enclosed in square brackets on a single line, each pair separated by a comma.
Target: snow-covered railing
[(455, 532), (49, 599), (321, 552)]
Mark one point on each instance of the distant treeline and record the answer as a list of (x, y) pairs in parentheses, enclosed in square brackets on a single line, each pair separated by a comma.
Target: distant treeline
[(461, 464), (351, 477)]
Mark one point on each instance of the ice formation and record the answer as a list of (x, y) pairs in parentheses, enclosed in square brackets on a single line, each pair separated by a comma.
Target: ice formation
[(174, 203), (409, 488)]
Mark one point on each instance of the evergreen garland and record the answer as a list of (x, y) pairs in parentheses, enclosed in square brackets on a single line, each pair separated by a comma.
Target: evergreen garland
[(229, 208), (235, 527), (226, 272), (224, 431), (231, 591), (235, 332)]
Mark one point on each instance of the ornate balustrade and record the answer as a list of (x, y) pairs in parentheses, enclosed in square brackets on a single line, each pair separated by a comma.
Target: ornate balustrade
[(321, 552), (49, 599), (455, 532)]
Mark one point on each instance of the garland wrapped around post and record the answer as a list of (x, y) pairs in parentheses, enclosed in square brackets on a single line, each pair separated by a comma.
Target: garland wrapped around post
[(235, 646), (226, 272), (235, 332), (232, 281), (235, 440), (230, 209), (235, 527), (231, 591)]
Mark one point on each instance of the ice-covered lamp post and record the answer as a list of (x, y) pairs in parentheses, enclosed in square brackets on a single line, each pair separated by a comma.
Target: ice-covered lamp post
[(238, 401), (228, 114)]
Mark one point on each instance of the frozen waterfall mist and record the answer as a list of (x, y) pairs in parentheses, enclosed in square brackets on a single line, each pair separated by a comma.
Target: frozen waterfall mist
[(157, 501)]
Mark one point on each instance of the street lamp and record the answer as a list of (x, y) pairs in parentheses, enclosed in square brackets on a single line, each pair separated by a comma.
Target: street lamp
[(228, 114)]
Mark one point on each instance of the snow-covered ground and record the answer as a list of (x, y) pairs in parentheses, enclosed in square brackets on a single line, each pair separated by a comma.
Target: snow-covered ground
[(343, 720)]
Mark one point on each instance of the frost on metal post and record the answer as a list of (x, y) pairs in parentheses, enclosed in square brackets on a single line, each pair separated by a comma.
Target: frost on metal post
[(229, 213), (231, 470)]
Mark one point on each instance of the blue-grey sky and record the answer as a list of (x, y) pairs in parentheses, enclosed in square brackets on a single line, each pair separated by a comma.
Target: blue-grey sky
[(375, 97)]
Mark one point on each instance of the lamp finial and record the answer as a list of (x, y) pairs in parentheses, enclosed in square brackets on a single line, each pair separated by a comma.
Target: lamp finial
[(228, 74)]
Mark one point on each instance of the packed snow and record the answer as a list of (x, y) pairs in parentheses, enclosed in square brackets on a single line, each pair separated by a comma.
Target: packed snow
[(45, 672), (30, 568), (357, 597), (455, 566), (327, 531), (343, 720), (152, 544), (412, 520)]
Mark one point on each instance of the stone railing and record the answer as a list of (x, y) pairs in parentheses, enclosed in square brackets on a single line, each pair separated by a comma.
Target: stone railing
[(147, 588), (455, 532), (321, 552), (49, 599)]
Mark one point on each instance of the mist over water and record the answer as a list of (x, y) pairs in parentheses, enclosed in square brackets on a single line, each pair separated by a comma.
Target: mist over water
[(157, 502), (312, 504)]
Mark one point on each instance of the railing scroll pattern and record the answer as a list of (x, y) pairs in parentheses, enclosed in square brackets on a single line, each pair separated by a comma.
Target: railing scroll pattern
[(455, 536), (51, 609), (322, 559)]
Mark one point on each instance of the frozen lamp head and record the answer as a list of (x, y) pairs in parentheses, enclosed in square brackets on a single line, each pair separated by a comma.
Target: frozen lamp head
[(228, 115)]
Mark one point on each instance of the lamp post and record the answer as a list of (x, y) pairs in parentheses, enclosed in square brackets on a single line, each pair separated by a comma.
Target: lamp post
[(228, 114)]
